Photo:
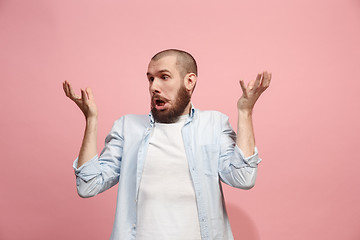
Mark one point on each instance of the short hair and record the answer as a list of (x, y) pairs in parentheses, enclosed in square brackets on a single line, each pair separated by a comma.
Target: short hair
[(184, 59)]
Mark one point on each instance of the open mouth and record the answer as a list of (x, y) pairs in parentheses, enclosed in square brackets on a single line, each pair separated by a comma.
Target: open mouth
[(159, 103)]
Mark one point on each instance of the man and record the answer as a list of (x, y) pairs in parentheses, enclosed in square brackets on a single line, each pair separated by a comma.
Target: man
[(169, 163)]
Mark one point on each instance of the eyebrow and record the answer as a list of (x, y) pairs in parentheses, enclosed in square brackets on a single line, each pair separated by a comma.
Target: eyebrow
[(160, 71)]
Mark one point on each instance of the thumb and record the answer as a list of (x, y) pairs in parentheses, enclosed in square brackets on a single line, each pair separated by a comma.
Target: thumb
[(243, 87)]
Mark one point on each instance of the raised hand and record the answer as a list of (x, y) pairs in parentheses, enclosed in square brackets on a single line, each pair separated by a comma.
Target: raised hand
[(86, 102), (252, 92)]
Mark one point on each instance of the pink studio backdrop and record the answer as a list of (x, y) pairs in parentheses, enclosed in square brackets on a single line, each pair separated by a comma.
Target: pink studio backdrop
[(307, 123)]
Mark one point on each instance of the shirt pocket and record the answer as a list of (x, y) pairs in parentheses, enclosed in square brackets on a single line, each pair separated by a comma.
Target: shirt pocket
[(210, 159)]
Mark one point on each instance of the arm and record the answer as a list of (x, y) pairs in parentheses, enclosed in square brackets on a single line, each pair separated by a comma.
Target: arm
[(95, 174), (239, 164), (87, 105), (245, 139)]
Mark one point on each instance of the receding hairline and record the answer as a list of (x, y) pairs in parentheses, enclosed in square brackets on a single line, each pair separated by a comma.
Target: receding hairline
[(184, 59)]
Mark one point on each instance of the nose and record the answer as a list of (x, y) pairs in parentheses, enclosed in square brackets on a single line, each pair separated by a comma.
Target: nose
[(154, 86)]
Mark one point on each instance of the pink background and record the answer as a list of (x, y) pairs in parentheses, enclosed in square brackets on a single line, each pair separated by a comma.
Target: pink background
[(306, 123)]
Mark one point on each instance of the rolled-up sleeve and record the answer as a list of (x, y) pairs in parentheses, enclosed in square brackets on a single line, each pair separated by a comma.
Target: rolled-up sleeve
[(101, 172), (234, 169), (251, 161), (88, 170)]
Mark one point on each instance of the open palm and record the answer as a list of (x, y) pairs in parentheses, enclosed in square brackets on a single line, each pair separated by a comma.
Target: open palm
[(253, 90), (86, 102)]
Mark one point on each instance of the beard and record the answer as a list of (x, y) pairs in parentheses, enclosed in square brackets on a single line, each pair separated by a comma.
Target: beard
[(173, 113)]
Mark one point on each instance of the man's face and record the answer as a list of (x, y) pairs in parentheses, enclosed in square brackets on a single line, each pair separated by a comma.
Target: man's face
[(169, 97)]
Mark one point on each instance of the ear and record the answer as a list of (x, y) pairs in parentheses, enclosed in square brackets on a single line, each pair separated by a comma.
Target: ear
[(190, 81)]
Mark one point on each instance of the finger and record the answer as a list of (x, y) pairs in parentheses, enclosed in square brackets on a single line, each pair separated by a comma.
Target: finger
[(258, 79), (90, 94), (269, 80), (84, 96), (73, 95), (265, 77), (243, 87), (64, 87), (266, 82), (67, 90)]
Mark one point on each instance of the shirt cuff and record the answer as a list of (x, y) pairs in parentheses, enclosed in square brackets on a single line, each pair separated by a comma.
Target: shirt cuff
[(88, 170), (251, 161)]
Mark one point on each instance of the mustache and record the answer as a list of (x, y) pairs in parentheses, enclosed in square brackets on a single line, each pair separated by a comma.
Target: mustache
[(157, 97)]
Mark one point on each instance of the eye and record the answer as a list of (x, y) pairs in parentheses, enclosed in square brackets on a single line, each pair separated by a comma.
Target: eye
[(165, 77), (151, 79)]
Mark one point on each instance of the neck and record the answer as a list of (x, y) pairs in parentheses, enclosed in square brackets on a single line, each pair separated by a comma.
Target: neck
[(187, 109)]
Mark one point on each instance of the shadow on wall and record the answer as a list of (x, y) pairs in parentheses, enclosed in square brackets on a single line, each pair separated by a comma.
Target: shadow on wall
[(241, 224)]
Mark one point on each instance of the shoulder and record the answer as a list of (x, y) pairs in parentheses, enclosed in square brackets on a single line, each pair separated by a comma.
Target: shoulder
[(211, 114), (133, 119), (130, 125), (210, 120), (211, 124), (131, 122)]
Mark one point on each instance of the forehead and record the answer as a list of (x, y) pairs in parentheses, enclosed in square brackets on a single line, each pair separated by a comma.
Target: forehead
[(168, 63)]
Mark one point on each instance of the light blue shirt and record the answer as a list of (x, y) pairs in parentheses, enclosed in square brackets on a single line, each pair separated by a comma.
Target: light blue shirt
[(212, 156)]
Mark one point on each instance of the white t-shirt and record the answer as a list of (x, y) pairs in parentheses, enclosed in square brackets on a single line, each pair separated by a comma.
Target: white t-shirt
[(167, 206)]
